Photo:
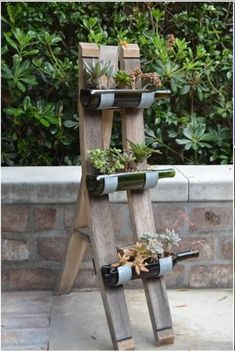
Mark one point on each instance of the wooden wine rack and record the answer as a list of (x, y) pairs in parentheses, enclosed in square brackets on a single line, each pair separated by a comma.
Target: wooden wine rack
[(92, 224)]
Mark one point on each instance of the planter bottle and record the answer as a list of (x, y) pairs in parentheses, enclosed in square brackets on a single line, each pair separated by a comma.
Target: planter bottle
[(98, 99), (113, 276), (105, 184)]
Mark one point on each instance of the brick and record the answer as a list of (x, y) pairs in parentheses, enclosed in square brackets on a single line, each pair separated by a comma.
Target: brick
[(167, 216), (226, 246), (14, 218), (51, 248), (86, 278), (68, 217), (44, 218), (176, 277), (32, 278), (211, 276), (5, 278), (14, 250), (211, 219), (205, 246)]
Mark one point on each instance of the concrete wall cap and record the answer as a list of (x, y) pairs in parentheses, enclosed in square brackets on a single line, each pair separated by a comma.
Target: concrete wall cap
[(59, 184)]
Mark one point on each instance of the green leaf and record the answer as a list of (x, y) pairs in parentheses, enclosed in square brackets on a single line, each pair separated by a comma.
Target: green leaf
[(30, 80), (31, 52), (70, 124), (173, 86), (11, 42), (185, 89), (26, 103), (44, 122), (12, 111), (20, 86), (56, 39)]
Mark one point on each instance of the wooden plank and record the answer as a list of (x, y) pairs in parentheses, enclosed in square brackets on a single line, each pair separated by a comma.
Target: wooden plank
[(129, 51), (76, 246), (107, 122), (94, 134), (142, 219), (104, 252), (88, 50)]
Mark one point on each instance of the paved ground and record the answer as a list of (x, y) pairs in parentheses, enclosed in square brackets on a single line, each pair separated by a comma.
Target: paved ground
[(203, 320)]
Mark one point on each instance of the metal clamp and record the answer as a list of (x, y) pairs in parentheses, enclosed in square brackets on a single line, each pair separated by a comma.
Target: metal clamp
[(106, 101), (166, 265), (151, 179), (124, 274), (110, 184), (146, 100)]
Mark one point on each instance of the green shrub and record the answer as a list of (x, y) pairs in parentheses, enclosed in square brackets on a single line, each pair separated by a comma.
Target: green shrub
[(188, 44)]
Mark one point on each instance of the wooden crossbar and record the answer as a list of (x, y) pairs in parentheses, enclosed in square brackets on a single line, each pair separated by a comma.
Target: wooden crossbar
[(92, 224)]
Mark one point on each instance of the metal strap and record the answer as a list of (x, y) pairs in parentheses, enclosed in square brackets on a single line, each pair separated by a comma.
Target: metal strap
[(106, 101), (110, 185), (166, 265), (151, 179), (146, 100), (124, 274)]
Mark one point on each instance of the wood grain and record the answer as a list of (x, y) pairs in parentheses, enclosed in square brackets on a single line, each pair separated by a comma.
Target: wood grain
[(142, 219), (88, 50), (95, 212)]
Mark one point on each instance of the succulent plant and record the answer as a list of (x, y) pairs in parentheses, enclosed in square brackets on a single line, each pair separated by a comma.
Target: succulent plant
[(170, 238), (98, 74), (141, 152), (106, 161), (151, 79), (139, 265), (122, 79)]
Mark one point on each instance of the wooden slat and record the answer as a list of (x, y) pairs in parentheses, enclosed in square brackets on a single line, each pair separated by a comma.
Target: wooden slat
[(76, 246), (143, 221), (104, 252), (102, 238), (129, 51), (88, 50)]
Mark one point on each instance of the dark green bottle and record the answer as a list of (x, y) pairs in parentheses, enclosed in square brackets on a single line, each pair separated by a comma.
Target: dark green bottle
[(114, 276), (105, 184), (95, 99)]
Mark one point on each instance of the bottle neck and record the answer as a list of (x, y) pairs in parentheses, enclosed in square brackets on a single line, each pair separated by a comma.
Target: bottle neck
[(184, 255)]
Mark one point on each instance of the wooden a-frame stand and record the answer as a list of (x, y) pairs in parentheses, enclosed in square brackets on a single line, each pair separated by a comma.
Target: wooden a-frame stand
[(92, 224)]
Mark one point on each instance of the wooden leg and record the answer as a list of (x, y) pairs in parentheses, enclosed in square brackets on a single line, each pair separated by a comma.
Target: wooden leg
[(104, 251), (155, 289), (76, 246), (107, 122)]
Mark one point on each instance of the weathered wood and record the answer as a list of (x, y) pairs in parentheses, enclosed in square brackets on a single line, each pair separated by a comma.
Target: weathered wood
[(76, 246), (129, 51), (143, 221), (94, 134), (104, 252), (88, 50), (107, 122), (127, 344)]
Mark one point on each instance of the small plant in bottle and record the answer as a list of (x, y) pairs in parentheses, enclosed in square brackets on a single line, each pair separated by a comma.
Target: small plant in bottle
[(150, 257), (119, 170), (98, 74)]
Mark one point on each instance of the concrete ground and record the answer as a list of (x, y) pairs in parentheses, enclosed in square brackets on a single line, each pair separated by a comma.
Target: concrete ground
[(203, 320)]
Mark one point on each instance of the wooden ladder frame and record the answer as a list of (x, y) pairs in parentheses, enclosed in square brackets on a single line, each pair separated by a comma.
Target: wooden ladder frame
[(93, 214)]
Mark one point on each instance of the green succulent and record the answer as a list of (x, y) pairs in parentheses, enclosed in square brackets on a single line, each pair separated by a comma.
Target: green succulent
[(106, 161), (141, 151), (122, 79), (95, 70)]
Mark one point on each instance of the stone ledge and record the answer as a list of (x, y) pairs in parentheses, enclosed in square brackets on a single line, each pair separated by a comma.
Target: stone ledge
[(60, 185)]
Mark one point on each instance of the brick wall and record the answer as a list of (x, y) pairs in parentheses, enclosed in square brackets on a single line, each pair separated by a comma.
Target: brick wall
[(34, 237)]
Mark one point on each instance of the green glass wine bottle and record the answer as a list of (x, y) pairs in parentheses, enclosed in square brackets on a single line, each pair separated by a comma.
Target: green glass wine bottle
[(105, 184)]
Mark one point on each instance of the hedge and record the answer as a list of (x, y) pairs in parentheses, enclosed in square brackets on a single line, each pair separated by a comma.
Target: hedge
[(188, 44)]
